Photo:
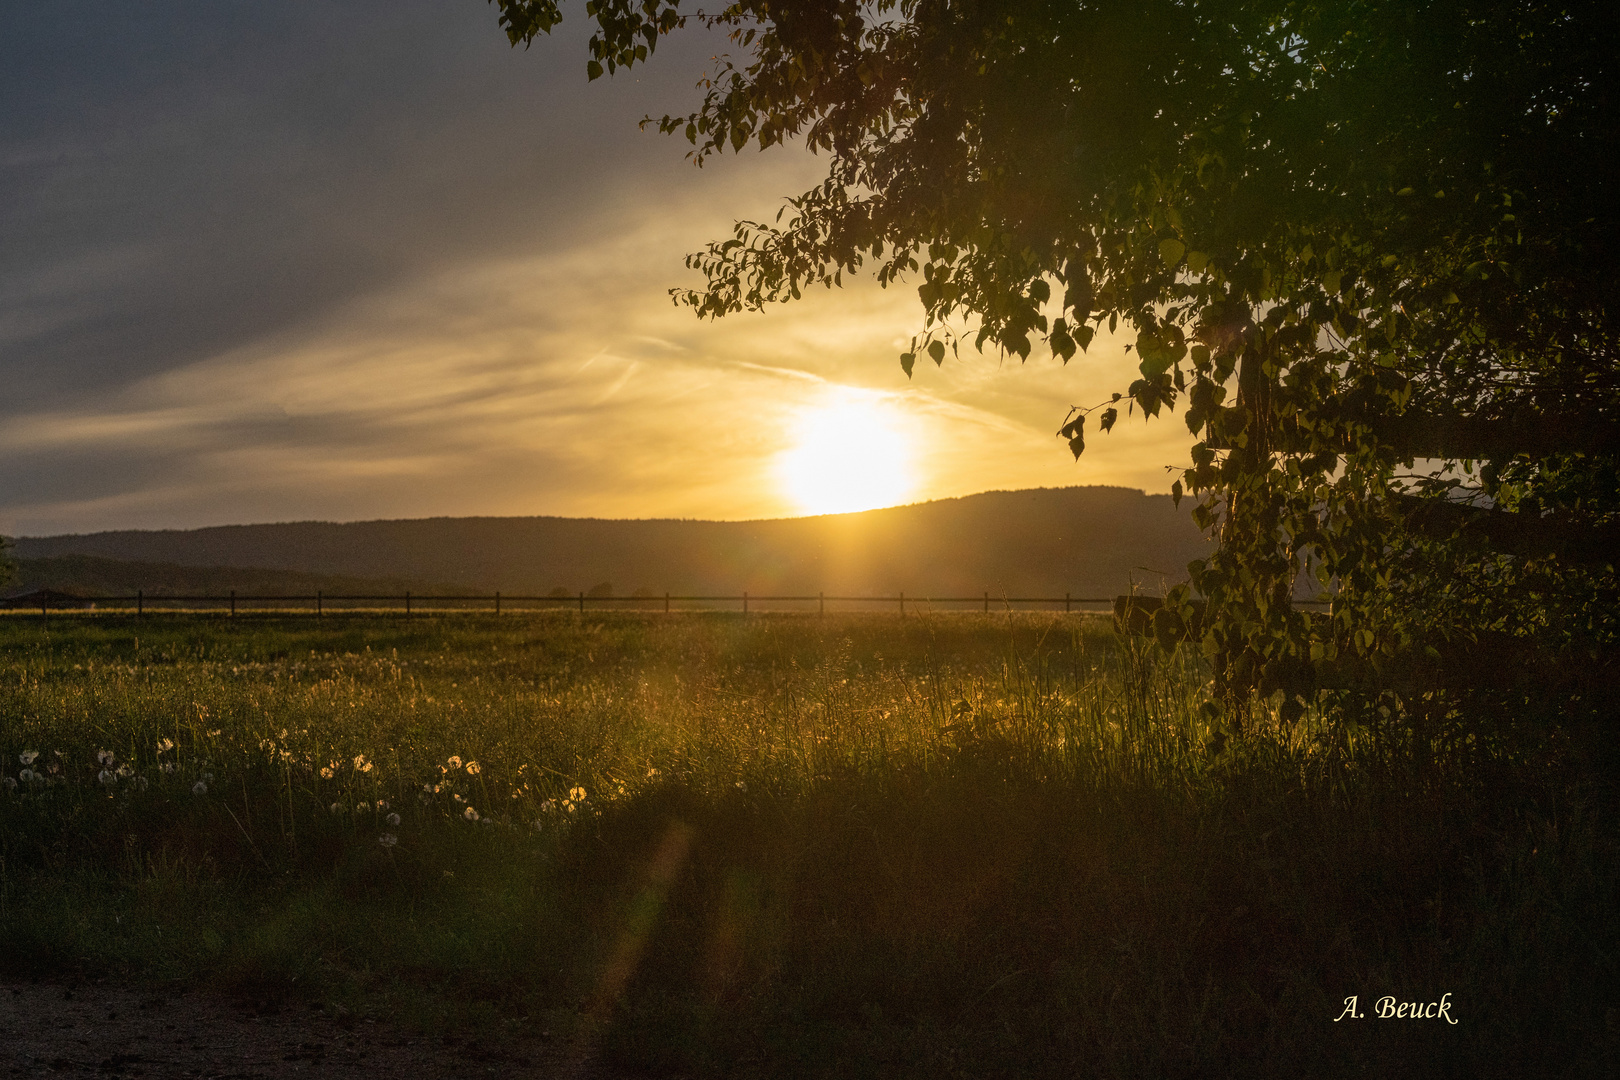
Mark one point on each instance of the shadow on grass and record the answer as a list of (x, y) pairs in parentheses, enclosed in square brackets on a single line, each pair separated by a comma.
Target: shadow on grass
[(953, 919)]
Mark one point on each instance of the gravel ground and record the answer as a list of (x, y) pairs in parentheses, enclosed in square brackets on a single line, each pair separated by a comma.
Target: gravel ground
[(107, 1031)]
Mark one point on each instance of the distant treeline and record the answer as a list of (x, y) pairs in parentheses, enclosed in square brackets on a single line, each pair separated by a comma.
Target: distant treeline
[(90, 575), (1041, 542)]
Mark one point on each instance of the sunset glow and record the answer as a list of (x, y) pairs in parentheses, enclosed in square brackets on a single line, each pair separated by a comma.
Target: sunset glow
[(849, 454)]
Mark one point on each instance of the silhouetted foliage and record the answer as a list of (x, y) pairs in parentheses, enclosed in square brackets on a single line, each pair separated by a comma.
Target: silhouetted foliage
[(1368, 249)]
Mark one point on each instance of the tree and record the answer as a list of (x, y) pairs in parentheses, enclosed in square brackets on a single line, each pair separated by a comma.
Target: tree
[(1367, 249)]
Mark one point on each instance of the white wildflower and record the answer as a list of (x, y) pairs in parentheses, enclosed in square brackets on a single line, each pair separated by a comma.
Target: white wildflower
[(361, 764), (27, 756), (104, 757), (577, 794), (393, 819), (473, 768), (454, 761), (382, 804), (199, 788), (742, 787), (361, 808), (165, 745), (124, 770), (470, 814), (10, 783)]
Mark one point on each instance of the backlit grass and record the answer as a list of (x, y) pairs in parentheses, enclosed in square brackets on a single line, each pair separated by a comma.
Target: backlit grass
[(949, 845)]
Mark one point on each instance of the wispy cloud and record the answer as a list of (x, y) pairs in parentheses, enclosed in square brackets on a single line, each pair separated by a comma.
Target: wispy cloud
[(493, 336)]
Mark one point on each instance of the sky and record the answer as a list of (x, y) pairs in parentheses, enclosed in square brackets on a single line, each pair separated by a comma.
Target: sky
[(354, 259)]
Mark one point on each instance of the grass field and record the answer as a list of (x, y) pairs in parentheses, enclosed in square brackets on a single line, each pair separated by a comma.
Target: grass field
[(782, 845)]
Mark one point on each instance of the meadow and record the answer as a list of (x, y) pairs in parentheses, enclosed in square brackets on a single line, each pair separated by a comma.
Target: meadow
[(782, 845)]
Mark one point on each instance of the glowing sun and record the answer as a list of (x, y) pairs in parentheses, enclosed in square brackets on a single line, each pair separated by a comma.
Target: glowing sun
[(849, 454)]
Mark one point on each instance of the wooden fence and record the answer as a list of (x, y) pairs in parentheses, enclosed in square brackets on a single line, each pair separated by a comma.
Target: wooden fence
[(321, 603)]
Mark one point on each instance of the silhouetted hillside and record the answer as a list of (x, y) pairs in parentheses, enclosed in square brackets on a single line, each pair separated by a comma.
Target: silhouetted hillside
[(1045, 541), (92, 575)]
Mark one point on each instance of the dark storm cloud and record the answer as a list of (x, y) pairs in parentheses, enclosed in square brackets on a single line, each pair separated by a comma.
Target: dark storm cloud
[(178, 178)]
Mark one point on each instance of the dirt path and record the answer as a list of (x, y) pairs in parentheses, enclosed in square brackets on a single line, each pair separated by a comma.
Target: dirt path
[(108, 1031)]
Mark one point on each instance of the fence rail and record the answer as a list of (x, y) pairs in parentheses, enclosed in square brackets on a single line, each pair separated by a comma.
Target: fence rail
[(413, 603), (409, 603)]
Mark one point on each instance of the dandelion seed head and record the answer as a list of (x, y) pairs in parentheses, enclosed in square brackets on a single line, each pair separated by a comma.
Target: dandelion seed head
[(473, 768), (27, 756), (454, 761), (27, 776), (104, 757), (387, 839), (393, 819), (199, 788), (10, 783), (470, 814), (362, 764)]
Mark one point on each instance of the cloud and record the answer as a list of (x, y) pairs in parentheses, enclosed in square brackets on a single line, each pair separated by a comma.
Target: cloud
[(299, 261)]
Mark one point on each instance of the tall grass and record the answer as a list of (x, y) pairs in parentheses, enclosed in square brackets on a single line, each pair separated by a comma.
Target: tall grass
[(773, 845)]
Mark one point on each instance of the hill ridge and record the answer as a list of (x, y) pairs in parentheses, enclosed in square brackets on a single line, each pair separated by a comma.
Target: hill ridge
[(1048, 540)]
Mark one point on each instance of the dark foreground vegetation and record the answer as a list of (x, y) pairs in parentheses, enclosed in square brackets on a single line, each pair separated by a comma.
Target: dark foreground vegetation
[(774, 846)]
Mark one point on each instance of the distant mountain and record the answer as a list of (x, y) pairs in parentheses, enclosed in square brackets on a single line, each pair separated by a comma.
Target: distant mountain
[(1088, 541), (92, 575)]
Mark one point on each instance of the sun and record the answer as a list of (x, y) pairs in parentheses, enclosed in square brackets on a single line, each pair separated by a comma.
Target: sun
[(848, 454)]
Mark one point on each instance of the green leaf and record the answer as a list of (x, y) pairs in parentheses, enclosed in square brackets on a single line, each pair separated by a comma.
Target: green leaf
[(593, 70), (1171, 250), (936, 349), (907, 360)]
